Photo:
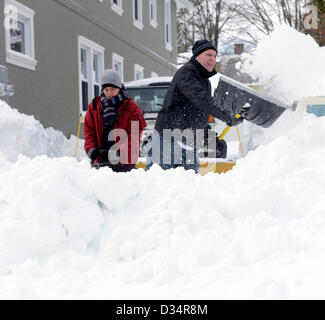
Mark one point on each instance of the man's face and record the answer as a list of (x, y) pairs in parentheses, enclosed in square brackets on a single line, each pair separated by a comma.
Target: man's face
[(207, 59)]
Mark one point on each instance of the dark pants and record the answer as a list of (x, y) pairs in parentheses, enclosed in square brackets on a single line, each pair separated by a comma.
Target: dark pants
[(122, 167), (178, 159)]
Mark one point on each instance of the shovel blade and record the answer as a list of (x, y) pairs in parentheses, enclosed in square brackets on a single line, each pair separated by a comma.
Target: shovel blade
[(232, 96)]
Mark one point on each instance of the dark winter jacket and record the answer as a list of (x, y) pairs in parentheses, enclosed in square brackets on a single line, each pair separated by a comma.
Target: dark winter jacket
[(188, 102), (127, 112)]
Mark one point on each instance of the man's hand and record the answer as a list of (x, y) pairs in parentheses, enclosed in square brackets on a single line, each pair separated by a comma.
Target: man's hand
[(245, 110), (231, 120)]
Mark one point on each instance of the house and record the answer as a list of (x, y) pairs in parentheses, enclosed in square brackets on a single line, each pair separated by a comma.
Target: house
[(56, 50), (231, 65)]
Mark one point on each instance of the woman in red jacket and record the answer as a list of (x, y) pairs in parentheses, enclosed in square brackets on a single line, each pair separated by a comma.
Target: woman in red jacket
[(113, 122)]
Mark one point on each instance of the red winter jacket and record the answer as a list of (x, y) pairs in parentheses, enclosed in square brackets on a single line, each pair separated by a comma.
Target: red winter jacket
[(129, 113)]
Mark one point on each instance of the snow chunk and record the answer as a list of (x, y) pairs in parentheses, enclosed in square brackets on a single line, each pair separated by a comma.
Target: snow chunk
[(290, 64)]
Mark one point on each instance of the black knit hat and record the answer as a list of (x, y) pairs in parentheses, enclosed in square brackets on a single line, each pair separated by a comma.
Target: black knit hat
[(202, 45)]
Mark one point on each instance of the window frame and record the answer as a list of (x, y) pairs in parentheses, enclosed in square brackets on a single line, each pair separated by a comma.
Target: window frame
[(137, 68), (138, 22), (118, 58), (91, 48), (153, 20), (168, 26), (118, 8), (26, 60)]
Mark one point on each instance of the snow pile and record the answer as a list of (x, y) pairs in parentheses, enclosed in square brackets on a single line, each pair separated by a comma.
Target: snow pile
[(22, 134), (70, 232), (256, 232), (290, 64)]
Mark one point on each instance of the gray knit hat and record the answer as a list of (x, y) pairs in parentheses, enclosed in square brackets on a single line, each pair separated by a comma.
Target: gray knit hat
[(111, 78)]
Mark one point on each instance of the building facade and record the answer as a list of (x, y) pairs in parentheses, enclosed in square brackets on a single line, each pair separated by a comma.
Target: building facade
[(56, 50)]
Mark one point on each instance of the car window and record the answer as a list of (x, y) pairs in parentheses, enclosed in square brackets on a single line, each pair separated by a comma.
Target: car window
[(148, 99), (316, 109)]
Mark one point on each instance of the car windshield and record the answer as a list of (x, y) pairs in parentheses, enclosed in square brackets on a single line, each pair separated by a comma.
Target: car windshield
[(148, 99), (316, 109)]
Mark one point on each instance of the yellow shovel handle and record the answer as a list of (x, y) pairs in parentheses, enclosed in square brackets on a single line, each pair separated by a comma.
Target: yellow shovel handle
[(224, 132), (76, 152)]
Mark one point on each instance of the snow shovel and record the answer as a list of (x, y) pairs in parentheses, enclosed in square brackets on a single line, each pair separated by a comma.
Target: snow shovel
[(233, 96)]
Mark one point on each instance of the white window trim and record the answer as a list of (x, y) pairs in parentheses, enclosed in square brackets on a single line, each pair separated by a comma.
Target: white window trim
[(137, 67), (94, 47), (138, 23), (153, 22), (28, 60), (117, 8), (117, 57), (168, 45)]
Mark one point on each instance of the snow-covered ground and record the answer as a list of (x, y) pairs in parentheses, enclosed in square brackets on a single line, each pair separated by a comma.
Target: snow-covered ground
[(256, 232)]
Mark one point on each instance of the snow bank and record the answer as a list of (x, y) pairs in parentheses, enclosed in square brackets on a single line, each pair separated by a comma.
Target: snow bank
[(22, 134), (71, 232), (255, 232), (290, 64)]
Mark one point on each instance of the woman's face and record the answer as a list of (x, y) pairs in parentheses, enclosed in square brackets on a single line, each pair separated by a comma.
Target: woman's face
[(111, 92)]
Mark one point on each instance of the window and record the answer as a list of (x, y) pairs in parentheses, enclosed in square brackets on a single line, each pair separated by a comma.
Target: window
[(19, 26), (150, 100), (137, 14), (117, 6), (318, 110), (153, 13), (138, 72), (91, 64), (168, 31), (117, 65), (96, 71)]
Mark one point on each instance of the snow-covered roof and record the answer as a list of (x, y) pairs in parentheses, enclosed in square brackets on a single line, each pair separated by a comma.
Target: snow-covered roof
[(147, 81)]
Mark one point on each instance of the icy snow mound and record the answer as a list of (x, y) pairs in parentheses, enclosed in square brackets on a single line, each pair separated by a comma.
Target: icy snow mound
[(23, 134), (72, 232), (290, 64)]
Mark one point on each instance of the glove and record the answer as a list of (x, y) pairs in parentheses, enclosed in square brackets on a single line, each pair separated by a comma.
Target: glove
[(231, 120), (93, 155), (245, 110)]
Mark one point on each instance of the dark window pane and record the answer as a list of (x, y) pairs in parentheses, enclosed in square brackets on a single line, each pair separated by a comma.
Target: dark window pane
[(17, 38), (136, 13), (84, 85)]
